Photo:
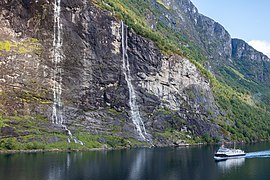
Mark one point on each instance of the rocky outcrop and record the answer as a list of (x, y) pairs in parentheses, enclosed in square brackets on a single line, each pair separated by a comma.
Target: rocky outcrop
[(181, 88), (176, 75), (241, 50), (253, 64), (23, 83), (211, 37), (232, 61)]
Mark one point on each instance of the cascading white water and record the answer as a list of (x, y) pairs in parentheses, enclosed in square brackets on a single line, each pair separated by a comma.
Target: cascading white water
[(57, 113), (135, 114)]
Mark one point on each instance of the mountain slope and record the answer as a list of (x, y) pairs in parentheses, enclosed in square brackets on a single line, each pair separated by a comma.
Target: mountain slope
[(173, 76)]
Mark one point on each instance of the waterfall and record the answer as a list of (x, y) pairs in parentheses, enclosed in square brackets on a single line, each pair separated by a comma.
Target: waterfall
[(135, 114), (57, 112)]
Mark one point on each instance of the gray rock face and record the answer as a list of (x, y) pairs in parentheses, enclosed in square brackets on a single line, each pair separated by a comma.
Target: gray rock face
[(208, 35), (181, 88), (241, 50), (255, 65), (23, 77), (212, 39), (175, 77), (171, 92)]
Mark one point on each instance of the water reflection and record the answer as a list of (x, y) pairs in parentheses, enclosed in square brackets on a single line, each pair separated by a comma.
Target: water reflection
[(155, 163), (193, 163), (57, 170), (228, 164), (138, 165)]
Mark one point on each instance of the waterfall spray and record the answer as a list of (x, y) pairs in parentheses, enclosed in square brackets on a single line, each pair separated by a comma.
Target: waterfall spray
[(57, 115), (134, 109), (57, 112)]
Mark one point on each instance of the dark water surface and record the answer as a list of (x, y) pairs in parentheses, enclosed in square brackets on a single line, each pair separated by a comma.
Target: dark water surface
[(138, 164)]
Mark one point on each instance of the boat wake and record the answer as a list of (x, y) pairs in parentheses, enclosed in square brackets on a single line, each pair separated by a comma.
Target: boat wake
[(258, 154)]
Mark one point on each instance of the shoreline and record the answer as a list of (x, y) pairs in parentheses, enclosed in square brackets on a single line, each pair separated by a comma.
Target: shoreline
[(52, 150), (89, 149), (108, 149)]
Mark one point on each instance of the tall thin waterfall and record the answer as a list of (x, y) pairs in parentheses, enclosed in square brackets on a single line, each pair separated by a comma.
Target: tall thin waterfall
[(135, 114), (57, 114)]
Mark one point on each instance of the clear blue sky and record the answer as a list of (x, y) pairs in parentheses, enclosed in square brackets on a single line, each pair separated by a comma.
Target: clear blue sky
[(244, 19)]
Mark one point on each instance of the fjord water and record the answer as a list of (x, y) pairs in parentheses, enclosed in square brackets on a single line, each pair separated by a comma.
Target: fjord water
[(187, 163)]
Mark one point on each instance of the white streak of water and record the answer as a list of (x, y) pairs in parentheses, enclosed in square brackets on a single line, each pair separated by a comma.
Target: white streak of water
[(57, 113), (135, 114), (258, 154)]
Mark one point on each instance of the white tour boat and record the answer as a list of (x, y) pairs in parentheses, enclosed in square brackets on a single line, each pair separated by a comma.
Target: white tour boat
[(228, 153)]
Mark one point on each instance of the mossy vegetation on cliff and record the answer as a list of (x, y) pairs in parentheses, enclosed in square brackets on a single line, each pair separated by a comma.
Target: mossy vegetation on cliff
[(134, 14), (24, 46), (28, 133)]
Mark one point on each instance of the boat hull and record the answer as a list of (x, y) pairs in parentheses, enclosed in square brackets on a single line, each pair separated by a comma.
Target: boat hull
[(225, 156)]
